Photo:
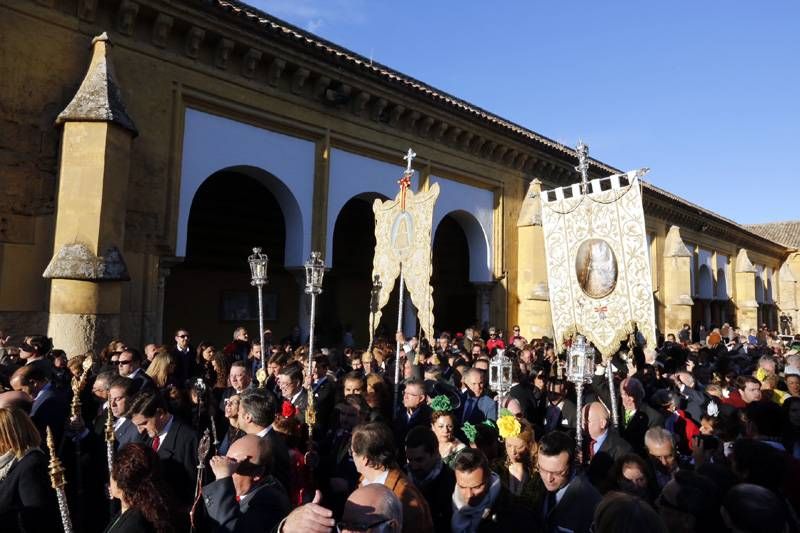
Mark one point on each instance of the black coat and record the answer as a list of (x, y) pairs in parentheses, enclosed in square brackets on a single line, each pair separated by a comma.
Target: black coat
[(439, 494), (601, 465), (281, 465), (178, 455), (50, 409), (575, 511), (27, 502), (262, 509), (131, 521), (403, 424), (643, 419)]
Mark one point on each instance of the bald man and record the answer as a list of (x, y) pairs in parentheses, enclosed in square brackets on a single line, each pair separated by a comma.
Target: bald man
[(368, 508), (604, 444), (244, 497), (371, 506)]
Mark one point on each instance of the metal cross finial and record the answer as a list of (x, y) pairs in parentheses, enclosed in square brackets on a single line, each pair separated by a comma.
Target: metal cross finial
[(583, 165), (409, 157)]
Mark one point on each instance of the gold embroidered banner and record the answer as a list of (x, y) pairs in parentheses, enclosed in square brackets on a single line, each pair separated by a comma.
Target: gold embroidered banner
[(598, 263), (403, 238)]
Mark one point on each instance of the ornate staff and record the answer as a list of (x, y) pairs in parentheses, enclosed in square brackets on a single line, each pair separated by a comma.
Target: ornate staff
[(202, 451), (258, 274), (78, 384), (57, 481), (405, 183), (315, 271), (580, 368), (612, 392), (109, 436), (374, 297)]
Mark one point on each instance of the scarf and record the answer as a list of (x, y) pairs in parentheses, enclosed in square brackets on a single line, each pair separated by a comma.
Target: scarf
[(466, 517)]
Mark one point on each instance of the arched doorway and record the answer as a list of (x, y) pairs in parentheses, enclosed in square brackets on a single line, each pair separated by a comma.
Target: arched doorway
[(454, 296), (350, 279), (209, 292)]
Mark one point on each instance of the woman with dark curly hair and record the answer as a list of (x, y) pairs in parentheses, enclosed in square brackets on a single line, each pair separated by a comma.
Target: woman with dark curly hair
[(136, 482)]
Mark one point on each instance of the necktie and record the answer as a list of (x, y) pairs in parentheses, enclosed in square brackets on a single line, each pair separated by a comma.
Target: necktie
[(592, 442), (156, 442), (549, 503)]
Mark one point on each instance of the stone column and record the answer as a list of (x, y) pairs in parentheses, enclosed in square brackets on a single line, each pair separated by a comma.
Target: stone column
[(87, 267), (677, 282), (788, 291), (533, 308), (744, 292)]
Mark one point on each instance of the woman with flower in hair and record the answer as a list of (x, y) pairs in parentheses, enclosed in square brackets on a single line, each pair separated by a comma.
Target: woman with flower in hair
[(136, 482), (517, 470), (443, 425)]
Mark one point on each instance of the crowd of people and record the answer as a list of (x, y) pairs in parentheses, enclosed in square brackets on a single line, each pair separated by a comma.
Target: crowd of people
[(704, 436)]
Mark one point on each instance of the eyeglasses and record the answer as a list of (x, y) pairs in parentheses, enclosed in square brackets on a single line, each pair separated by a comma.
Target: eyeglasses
[(185, 336), (350, 526), (126, 362)]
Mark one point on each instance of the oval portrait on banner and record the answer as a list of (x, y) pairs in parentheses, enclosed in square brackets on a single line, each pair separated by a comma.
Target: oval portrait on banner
[(402, 237), (596, 268)]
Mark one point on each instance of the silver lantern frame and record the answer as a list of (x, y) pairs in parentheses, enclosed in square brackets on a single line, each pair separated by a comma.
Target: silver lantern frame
[(259, 265)]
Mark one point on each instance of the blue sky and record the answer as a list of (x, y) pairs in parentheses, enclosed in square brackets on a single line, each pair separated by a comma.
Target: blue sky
[(704, 93)]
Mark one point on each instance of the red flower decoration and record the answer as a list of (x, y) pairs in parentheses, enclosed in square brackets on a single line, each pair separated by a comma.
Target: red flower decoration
[(287, 409)]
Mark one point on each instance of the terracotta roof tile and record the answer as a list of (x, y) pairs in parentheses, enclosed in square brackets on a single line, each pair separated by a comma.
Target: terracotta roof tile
[(786, 233)]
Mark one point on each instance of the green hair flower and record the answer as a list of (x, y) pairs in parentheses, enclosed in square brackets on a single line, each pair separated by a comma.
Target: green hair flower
[(470, 431), (441, 403), (490, 423), (505, 412)]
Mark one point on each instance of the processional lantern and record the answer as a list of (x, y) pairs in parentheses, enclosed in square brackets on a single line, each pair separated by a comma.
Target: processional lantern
[(315, 272), (258, 278), (500, 374), (580, 361), (258, 268)]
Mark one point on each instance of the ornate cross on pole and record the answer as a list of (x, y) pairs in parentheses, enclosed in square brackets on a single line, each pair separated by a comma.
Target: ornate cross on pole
[(405, 181), (583, 166)]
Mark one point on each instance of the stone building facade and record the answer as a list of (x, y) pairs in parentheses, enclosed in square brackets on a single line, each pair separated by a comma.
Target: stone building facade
[(147, 145)]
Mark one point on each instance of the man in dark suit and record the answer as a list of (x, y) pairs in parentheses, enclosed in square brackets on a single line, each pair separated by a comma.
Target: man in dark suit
[(256, 414), (324, 394), (244, 497), (120, 392), (432, 477), (290, 381), (185, 356), (414, 412), (603, 445), (638, 417), (560, 412), (174, 441), (50, 404), (570, 499), (130, 366), (476, 407)]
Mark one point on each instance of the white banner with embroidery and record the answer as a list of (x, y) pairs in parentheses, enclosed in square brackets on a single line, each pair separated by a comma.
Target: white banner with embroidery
[(598, 262)]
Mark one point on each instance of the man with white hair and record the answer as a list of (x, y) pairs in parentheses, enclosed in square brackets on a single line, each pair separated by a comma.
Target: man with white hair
[(476, 406), (372, 508), (661, 449)]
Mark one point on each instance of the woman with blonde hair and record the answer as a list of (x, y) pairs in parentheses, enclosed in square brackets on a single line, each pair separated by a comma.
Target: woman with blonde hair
[(27, 502), (162, 370), (518, 470)]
